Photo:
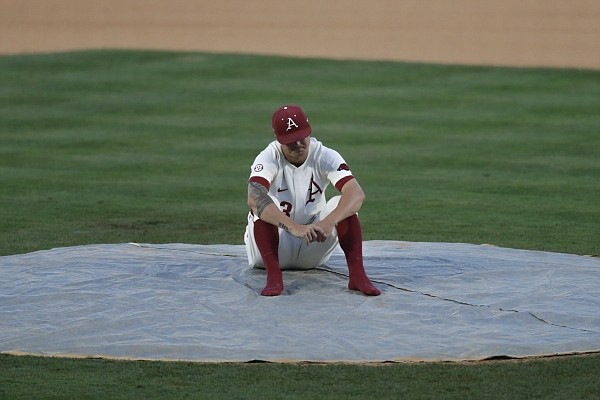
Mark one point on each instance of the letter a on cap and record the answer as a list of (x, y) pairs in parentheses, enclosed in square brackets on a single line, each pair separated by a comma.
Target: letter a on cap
[(291, 123)]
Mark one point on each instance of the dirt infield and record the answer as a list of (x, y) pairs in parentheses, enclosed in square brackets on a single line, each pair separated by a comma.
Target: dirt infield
[(553, 33)]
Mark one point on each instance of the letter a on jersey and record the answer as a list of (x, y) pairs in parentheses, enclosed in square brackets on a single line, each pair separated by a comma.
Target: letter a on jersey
[(291, 124), (313, 190)]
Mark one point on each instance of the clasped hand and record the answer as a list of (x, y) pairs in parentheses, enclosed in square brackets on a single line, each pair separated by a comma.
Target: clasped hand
[(310, 233), (316, 232)]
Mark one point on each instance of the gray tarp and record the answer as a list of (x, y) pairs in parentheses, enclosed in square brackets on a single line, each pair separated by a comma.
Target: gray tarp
[(440, 301)]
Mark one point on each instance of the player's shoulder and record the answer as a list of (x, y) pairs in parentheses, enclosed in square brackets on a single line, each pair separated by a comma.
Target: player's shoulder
[(272, 151), (318, 148), (322, 151), (271, 147), (326, 159)]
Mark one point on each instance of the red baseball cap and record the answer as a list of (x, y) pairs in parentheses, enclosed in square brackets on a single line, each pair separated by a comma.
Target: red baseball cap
[(290, 124)]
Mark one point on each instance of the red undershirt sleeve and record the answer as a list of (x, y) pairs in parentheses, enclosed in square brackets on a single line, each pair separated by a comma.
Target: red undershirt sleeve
[(340, 184), (262, 181)]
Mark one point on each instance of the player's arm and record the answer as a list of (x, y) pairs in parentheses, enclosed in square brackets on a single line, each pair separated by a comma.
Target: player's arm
[(351, 201), (262, 205)]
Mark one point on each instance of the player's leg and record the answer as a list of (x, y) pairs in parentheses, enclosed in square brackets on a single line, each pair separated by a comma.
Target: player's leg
[(315, 254), (312, 255), (264, 237), (349, 234), (254, 258)]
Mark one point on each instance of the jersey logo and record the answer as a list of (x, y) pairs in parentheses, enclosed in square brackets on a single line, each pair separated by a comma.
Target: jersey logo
[(343, 167), (291, 124), (258, 167), (313, 190)]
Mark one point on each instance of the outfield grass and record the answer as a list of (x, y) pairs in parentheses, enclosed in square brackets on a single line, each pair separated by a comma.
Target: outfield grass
[(105, 147), (561, 378), (111, 147)]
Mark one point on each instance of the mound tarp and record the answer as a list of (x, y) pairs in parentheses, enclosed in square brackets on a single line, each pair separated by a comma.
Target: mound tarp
[(440, 301)]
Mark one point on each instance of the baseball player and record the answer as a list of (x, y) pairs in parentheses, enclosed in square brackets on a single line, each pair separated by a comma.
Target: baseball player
[(291, 225)]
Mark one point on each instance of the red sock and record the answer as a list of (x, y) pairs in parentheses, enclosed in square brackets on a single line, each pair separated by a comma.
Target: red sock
[(267, 241), (350, 238)]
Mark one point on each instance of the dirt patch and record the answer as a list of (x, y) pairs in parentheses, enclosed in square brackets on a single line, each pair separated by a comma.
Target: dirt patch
[(552, 33)]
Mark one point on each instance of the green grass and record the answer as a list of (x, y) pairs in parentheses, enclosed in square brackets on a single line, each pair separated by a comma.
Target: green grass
[(119, 146), (101, 147), (561, 378)]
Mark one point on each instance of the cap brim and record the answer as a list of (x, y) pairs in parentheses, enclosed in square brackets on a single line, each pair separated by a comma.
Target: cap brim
[(294, 137)]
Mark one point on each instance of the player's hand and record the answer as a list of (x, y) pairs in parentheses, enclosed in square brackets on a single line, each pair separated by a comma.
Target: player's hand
[(327, 229), (309, 233)]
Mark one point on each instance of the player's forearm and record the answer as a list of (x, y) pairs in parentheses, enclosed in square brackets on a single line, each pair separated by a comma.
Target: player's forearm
[(349, 204), (274, 216), (345, 208), (262, 205)]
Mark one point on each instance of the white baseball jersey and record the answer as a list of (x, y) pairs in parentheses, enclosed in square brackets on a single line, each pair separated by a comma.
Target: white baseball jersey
[(300, 191)]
